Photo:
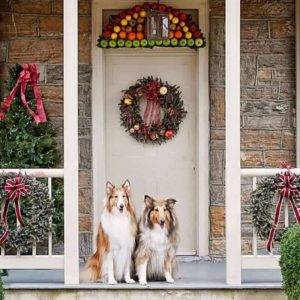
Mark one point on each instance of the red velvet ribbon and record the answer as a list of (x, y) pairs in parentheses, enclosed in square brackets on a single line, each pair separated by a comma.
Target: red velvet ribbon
[(286, 191), (28, 75), (152, 111), (15, 189)]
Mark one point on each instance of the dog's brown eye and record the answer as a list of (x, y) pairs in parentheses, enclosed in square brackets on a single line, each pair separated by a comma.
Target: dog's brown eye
[(156, 209), (116, 197), (165, 209), (124, 196)]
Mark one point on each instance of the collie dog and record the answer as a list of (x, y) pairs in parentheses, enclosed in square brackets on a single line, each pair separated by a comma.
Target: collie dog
[(155, 255), (112, 261)]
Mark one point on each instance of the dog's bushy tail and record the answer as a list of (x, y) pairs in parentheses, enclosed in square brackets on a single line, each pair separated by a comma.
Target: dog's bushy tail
[(93, 269)]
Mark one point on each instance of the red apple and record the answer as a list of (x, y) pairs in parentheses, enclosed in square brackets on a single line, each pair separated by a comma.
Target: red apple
[(106, 34), (137, 8), (182, 17), (162, 8), (193, 28), (197, 34)]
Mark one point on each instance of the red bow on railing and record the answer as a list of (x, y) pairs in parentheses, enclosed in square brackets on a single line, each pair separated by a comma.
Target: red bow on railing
[(286, 190), (28, 75), (15, 189)]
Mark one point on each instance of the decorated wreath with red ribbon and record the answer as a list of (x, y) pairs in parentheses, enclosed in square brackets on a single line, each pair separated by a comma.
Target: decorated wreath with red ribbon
[(26, 211), (164, 110), (266, 204)]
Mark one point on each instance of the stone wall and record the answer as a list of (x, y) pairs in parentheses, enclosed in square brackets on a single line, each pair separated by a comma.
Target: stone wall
[(34, 34), (267, 99)]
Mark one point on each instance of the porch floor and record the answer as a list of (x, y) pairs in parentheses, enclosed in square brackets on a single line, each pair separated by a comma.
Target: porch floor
[(192, 274)]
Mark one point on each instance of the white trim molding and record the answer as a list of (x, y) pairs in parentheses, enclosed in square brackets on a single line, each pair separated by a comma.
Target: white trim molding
[(232, 169), (98, 116), (71, 245)]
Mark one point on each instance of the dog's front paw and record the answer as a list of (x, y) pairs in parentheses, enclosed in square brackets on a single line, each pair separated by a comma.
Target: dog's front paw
[(112, 281), (143, 282), (129, 280), (170, 280)]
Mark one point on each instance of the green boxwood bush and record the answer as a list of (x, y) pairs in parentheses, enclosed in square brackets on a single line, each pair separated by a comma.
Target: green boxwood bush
[(290, 262), (1, 289)]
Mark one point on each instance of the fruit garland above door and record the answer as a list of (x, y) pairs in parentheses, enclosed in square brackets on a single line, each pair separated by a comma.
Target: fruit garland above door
[(151, 25), (163, 114)]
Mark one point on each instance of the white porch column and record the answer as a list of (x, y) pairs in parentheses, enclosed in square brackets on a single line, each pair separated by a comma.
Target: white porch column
[(232, 172), (71, 252)]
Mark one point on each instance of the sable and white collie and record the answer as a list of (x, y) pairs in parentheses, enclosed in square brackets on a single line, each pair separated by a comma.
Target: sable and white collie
[(155, 255), (112, 261)]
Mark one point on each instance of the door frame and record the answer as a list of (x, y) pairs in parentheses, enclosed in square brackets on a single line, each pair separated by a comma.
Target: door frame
[(202, 130)]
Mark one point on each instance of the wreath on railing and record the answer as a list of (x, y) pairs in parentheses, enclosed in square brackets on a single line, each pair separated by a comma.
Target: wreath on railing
[(25, 201), (163, 114), (271, 192)]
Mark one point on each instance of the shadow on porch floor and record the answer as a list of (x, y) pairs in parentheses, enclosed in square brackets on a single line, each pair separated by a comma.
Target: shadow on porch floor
[(191, 275)]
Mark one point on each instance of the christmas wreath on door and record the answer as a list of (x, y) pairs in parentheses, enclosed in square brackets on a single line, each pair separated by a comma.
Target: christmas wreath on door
[(163, 114)]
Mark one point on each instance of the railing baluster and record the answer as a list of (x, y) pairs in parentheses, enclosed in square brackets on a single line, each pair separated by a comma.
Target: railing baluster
[(254, 235), (50, 233)]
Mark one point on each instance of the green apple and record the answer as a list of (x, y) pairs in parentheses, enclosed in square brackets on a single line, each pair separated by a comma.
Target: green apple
[(190, 42), (151, 43), (174, 42), (144, 43), (128, 44), (136, 43), (112, 44), (158, 42), (121, 43), (198, 42), (103, 43), (166, 43), (182, 43)]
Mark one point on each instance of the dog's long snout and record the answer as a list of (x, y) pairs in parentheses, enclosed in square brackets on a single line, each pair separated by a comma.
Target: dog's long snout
[(121, 206)]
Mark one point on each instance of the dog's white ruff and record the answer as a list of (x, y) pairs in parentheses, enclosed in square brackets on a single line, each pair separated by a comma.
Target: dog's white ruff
[(121, 242)]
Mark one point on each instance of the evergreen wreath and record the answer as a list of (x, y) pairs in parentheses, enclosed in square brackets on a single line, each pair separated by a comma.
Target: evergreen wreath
[(163, 114), (37, 210), (262, 203)]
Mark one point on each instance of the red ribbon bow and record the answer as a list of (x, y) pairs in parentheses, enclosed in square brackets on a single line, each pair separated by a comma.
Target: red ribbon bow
[(15, 189), (152, 111), (28, 75), (286, 190)]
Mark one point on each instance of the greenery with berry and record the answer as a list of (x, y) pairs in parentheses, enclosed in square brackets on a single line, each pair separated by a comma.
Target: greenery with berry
[(169, 103), (128, 29), (27, 145)]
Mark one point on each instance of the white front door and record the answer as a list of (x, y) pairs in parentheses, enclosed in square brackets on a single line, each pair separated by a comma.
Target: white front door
[(168, 170)]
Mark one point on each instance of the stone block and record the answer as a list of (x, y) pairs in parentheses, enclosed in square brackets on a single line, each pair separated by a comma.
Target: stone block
[(217, 110), (217, 166), (85, 153), (260, 139), (254, 29), (280, 29), (251, 159), (36, 50), (217, 221)]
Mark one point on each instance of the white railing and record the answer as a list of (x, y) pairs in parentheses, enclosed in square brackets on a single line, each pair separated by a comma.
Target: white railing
[(255, 260), (34, 261)]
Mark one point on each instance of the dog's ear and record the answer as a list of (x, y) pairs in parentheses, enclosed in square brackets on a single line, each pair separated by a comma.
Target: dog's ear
[(127, 187), (149, 201), (109, 188), (170, 203)]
